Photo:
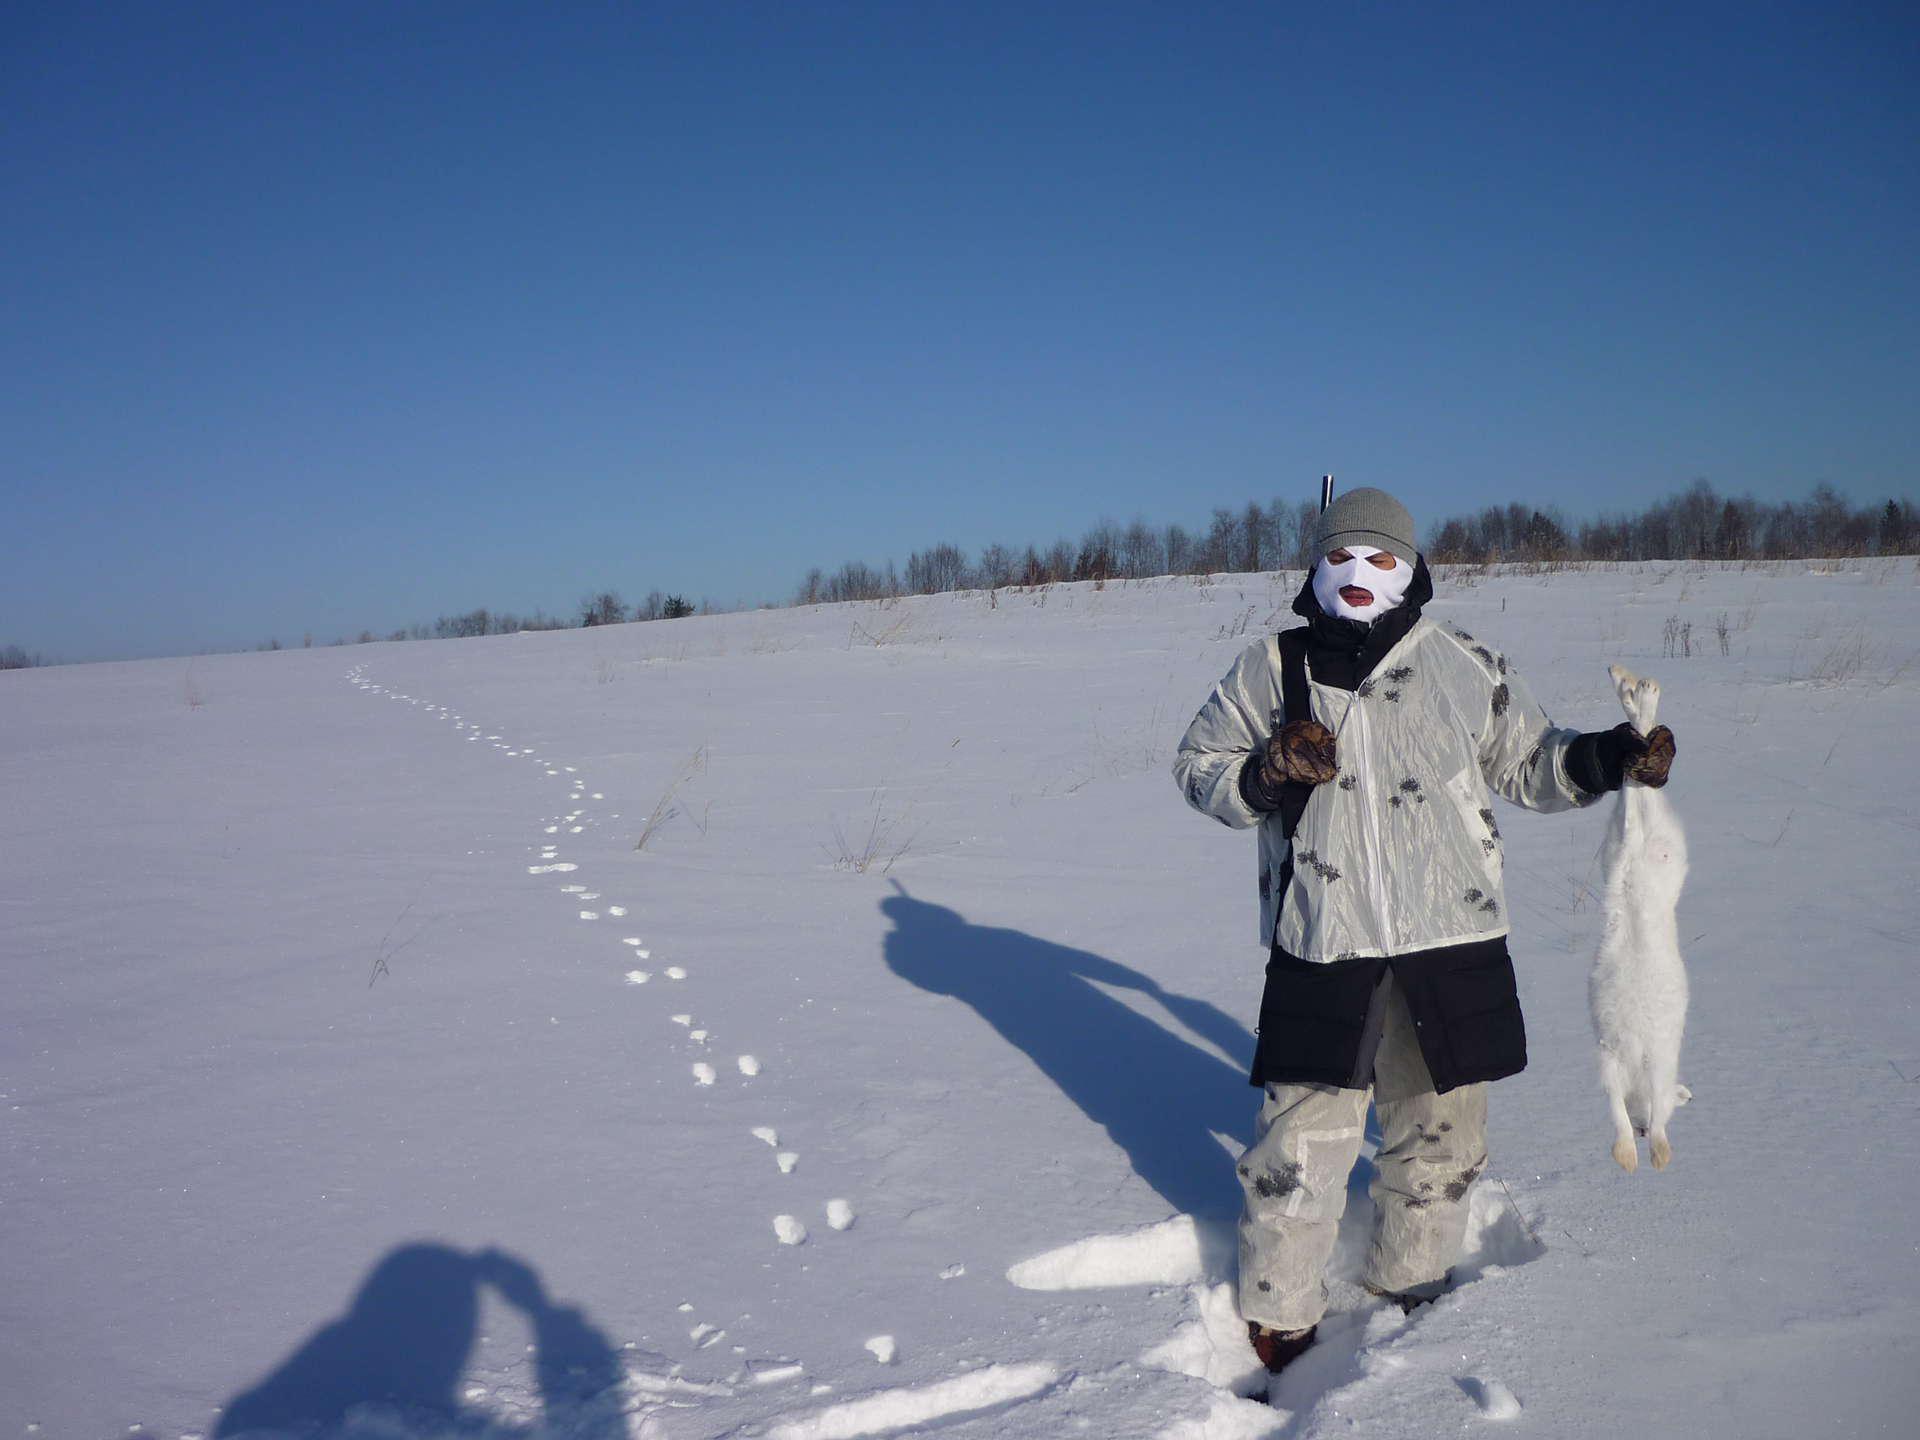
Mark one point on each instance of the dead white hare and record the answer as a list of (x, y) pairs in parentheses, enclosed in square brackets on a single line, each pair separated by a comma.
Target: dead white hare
[(1638, 988)]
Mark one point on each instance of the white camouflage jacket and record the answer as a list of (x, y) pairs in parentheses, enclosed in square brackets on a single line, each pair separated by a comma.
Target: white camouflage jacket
[(1401, 852)]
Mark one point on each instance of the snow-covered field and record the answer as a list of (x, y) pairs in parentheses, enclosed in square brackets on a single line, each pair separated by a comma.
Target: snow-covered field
[(350, 1044)]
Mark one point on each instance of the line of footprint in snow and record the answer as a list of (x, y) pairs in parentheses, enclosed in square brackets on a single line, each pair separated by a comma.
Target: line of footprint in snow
[(787, 1229)]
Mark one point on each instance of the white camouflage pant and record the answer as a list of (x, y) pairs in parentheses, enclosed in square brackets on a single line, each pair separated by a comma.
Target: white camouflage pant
[(1306, 1140)]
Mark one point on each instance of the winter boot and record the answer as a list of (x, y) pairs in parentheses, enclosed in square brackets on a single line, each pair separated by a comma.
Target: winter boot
[(1278, 1349), (1411, 1300)]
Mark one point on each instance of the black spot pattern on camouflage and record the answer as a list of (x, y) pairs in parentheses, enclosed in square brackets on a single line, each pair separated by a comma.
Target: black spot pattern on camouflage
[(1484, 653), (1501, 695), (1415, 1202), (1392, 695), (1348, 955), (1500, 663), (1347, 782), (1488, 846), (1266, 1286), (1462, 633), (1486, 818), (1320, 867), (1279, 1181), (1411, 786), (1456, 1188), (1400, 674), (1365, 688), (1395, 802), (1485, 902), (1266, 882)]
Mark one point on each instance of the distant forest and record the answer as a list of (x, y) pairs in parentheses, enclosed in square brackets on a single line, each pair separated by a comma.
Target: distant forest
[(1699, 523)]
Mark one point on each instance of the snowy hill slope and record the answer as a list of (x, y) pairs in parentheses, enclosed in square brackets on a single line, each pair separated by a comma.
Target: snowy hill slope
[(352, 1046)]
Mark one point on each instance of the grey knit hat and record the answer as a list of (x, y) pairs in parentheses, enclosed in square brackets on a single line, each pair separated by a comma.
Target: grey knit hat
[(1365, 517)]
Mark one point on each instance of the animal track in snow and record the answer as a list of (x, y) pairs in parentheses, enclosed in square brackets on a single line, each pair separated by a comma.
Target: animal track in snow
[(789, 1229)]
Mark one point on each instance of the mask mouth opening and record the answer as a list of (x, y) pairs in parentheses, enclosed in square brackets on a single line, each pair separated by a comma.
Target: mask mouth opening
[(1356, 596)]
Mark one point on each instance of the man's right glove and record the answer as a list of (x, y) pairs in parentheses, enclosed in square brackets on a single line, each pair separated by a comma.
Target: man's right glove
[(1302, 752), (1299, 753)]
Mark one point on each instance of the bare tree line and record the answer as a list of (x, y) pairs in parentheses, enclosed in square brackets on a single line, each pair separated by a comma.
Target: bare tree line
[(1253, 538), (1698, 523)]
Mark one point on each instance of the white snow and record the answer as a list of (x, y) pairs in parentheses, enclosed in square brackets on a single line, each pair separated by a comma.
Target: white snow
[(790, 1230), (1169, 1253), (840, 1214), (898, 1409), (884, 1348), (1495, 1400), (300, 1039)]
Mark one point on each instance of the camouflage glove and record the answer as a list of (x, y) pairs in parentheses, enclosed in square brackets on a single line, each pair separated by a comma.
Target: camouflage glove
[(1651, 762), (1302, 752), (1602, 760)]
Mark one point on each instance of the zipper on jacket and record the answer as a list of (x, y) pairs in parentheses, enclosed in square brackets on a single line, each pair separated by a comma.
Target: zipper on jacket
[(1377, 848)]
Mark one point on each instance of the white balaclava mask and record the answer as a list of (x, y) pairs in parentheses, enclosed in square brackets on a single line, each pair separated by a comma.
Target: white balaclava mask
[(1388, 587)]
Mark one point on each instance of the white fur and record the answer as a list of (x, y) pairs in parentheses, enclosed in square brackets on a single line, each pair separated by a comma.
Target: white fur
[(1638, 989)]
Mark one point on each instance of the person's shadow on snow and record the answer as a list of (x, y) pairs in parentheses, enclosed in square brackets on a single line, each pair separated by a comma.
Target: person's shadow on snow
[(1156, 1094), (403, 1347)]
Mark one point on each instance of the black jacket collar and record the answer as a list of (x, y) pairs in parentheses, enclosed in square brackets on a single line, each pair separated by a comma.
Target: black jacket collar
[(1343, 652)]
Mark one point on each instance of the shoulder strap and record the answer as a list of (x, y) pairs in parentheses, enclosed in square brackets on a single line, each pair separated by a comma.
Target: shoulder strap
[(1293, 673), (1296, 705)]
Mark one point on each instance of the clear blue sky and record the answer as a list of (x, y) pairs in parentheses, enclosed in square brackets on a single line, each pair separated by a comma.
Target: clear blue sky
[(320, 317)]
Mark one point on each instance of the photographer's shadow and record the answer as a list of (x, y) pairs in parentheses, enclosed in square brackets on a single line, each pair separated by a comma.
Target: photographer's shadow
[(404, 1344), (1156, 1094)]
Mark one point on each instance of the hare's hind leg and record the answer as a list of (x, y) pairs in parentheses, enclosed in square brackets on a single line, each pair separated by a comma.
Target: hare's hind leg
[(1613, 1079), (1639, 696)]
